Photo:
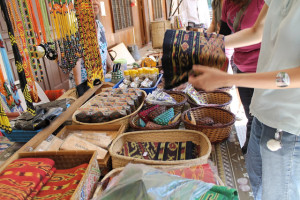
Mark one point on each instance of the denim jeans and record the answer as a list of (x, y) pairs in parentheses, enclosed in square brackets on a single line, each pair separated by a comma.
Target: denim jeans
[(274, 175)]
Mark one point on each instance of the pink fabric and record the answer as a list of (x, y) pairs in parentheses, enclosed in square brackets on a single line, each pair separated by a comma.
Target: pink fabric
[(246, 57)]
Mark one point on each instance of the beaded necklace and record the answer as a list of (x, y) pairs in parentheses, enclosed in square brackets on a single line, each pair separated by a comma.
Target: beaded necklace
[(18, 61), (89, 41), (22, 46), (10, 76)]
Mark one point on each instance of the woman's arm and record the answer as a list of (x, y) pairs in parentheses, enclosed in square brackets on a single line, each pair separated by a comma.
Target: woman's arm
[(77, 72), (210, 79), (248, 36)]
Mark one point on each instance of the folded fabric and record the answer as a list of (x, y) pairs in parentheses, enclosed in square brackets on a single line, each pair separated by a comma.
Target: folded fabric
[(199, 172), (62, 184), (23, 177), (141, 150), (220, 193), (181, 50), (164, 118), (144, 114)]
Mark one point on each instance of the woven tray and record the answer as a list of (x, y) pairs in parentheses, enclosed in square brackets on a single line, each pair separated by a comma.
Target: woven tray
[(181, 99), (123, 120), (160, 136), (134, 119), (214, 133), (218, 99)]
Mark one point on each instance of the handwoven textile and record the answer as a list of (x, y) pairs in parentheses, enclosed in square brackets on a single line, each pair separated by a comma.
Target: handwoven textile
[(62, 184), (181, 50), (165, 151), (220, 193), (23, 176), (199, 172)]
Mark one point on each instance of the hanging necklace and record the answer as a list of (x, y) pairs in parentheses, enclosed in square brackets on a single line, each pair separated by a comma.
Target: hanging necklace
[(89, 41), (10, 76), (21, 44)]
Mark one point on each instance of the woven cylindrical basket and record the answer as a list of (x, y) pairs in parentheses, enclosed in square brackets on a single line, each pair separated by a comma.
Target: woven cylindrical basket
[(216, 99), (123, 120), (181, 99), (160, 136), (133, 122), (216, 133)]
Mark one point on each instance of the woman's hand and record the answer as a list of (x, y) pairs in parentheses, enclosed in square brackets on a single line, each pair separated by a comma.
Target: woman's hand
[(208, 78)]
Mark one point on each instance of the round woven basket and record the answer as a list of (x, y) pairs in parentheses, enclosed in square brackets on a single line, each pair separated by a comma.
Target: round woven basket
[(160, 136), (133, 122), (216, 133), (123, 120), (216, 99), (181, 99)]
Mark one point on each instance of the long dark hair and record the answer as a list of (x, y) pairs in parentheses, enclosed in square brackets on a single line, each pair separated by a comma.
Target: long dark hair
[(240, 2)]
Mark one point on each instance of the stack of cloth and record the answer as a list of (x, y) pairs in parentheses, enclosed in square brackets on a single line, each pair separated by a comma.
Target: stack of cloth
[(181, 50), (163, 151), (37, 178)]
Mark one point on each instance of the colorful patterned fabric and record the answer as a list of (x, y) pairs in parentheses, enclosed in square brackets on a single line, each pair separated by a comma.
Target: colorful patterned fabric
[(165, 151), (220, 193), (199, 172), (23, 176), (62, 184), (181, 50)]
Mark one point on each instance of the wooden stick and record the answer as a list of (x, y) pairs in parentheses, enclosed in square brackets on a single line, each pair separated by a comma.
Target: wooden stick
[(171, 6), (177, 8)]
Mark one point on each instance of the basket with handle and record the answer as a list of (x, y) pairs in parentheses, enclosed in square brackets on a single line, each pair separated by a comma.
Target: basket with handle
[(216, 133), (160, 136), (218, 99)]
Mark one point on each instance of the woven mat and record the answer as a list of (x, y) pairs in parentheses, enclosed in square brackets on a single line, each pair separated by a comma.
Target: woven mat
[(230, 163)]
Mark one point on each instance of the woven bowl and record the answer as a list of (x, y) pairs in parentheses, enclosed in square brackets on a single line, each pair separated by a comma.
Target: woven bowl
[(217, 99), (160, 136), (181, 99), (216, 133), (133, 122)]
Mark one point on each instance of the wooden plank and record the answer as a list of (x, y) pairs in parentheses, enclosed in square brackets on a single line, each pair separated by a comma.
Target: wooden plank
[(42, 135)]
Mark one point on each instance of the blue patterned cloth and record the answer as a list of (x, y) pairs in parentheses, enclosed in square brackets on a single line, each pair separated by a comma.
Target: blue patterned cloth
[(103, 51)]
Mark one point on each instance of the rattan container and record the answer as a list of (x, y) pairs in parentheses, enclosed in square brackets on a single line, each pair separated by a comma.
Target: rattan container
[(133, 122), (216, 133), (160, 136), (218, 99)]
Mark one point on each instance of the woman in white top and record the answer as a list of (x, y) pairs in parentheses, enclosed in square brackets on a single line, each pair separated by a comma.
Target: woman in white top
[(273, 157)]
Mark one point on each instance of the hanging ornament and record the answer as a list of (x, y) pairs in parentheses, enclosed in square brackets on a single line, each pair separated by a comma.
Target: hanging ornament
[(275, 144)]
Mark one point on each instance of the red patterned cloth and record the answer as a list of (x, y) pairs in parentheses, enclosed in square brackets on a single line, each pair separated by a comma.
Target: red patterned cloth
[(62, 184), (200, 172), (23, 177)]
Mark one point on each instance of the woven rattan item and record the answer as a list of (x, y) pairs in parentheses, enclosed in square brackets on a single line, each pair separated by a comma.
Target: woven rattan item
[(216, 133), (123, 120), (160, 136), (133, 122), (216, 99)]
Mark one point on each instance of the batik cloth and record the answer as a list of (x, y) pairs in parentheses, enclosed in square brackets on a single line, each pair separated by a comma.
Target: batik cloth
[(199, 172), (62, 184), (164, 151), (22, 178), (220, 193), (181, 50)]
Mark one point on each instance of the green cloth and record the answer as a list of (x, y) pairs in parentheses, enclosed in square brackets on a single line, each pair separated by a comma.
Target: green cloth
[(220, 193)]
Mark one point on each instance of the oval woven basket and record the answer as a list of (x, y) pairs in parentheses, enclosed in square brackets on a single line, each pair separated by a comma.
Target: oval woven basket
[(123, 120), (133, 122), (181, 99), (216, 133), (216, 99), (160, 136)]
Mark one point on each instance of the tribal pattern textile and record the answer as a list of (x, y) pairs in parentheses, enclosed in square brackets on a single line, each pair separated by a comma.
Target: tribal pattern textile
[(199, 172), (22, 178), (220, 193), (62, 184), (164, 151), (89, 41), (181, 50)]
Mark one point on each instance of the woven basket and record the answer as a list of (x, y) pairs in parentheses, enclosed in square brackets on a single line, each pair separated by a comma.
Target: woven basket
[(133, 122), (160, 136), (123, 120), (216, 99), (181, 99), (214, 133)]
